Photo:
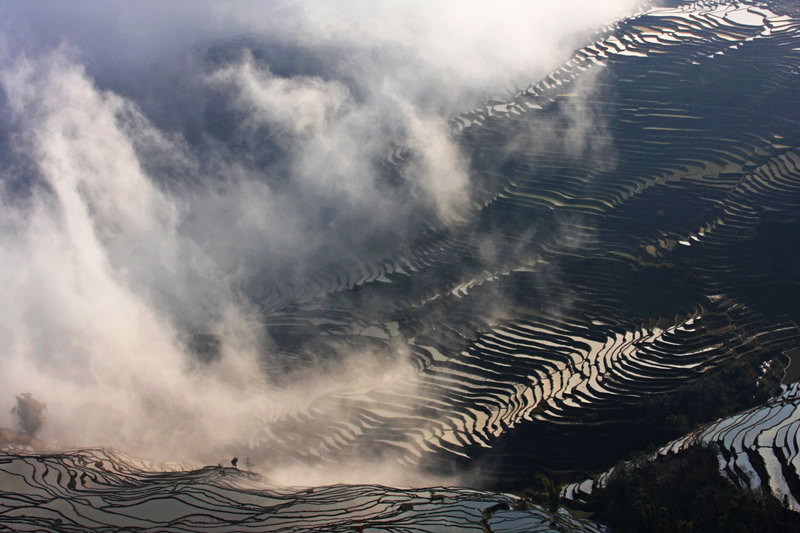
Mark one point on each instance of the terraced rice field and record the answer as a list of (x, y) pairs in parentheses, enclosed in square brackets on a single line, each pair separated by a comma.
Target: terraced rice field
[(757, 448), (99, 490), (588, 276), (633, 227)]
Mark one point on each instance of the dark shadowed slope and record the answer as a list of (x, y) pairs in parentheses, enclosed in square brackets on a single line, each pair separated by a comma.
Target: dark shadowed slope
[(756, 449)]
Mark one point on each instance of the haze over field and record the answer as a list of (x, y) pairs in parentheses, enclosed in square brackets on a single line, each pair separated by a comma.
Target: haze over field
[(164, 164), (400, 266)]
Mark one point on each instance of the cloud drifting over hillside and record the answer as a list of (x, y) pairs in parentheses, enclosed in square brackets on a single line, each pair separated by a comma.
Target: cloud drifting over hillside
[(165, 162)]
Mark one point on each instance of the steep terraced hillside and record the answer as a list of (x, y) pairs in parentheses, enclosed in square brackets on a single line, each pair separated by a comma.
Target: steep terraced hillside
[(632, 230), (756, 449)]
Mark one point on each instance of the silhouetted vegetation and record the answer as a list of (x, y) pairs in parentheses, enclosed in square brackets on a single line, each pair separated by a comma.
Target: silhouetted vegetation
[(734, 388), (31, 414), (686, 493), (544, 492)]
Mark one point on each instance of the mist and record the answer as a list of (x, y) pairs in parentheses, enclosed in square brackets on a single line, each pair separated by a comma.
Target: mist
[(172, 172)]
